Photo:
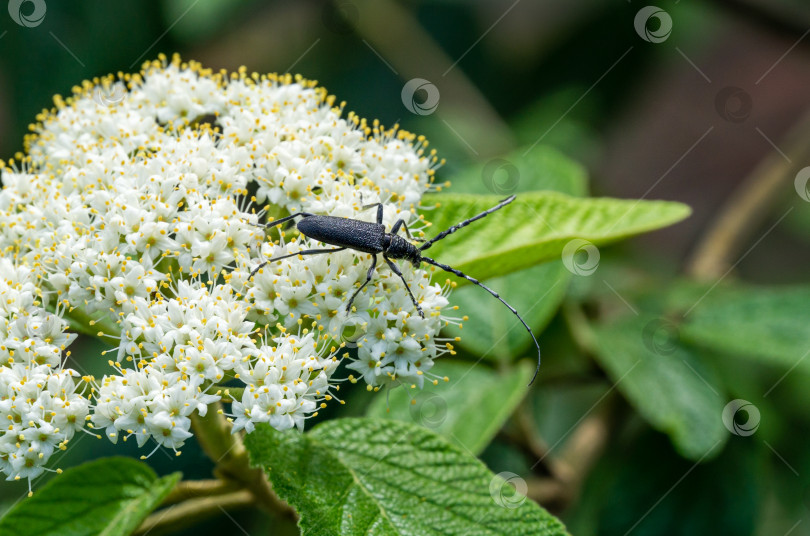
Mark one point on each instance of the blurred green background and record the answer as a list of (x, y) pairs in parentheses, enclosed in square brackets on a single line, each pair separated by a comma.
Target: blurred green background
[(690, 118)]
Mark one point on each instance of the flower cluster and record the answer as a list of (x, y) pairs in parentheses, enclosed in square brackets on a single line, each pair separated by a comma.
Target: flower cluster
[(42, 403), (137, 213)]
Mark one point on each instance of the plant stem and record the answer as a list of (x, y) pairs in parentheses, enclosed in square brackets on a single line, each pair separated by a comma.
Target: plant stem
[(228, 452), (191, 489), (568, 469), (584, 447), (749, 205), (192, 511), (532, 441), (547, 491)]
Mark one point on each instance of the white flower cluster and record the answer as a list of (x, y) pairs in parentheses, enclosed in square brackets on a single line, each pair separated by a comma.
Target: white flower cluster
[(138, 208), (41, 402)]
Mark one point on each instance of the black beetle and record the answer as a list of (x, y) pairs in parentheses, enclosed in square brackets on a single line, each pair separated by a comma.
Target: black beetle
[(347, 233)]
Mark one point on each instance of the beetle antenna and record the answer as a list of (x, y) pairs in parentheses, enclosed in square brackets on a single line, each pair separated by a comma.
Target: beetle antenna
[(478, 283), (465, 223), (276, 223)]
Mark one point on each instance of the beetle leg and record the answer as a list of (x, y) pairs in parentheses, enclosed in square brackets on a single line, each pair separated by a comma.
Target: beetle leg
[(302, 252), (285, 219), (368, 278), (401, 223), (397, 271), (379, 210)]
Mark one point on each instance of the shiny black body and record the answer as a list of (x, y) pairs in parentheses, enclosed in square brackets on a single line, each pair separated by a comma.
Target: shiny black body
[(346, 233), (358, 235)]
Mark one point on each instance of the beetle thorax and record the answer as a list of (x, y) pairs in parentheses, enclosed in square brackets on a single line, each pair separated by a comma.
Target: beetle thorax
[(399, 248)]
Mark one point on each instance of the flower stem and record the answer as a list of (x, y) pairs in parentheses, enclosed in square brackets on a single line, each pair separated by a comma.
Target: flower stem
[(228, 452), (194, 510), (194, 489)]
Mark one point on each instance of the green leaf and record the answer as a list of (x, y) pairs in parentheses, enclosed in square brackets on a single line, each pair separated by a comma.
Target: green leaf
[(468, 410), (768, 324), (383, 477), (108, 497), (669, 386), (536, 227), (492, 332)]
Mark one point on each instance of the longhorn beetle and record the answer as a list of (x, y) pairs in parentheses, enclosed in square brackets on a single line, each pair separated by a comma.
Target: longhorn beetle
[(347, 233)]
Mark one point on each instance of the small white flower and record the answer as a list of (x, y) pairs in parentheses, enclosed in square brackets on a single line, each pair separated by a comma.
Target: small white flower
[(169, 431), (152, 240)]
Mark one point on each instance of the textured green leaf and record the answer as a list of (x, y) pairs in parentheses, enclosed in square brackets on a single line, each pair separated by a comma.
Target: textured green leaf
[(769, 324), (468, 410), (492, 332), (668, 385), (384, 477), (108, 497), (536, 227)]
